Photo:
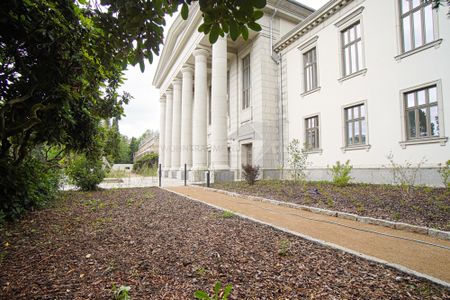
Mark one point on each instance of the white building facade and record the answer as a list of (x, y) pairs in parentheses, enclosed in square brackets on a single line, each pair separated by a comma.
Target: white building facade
[(355, 80), (220, 104), (364, 79)]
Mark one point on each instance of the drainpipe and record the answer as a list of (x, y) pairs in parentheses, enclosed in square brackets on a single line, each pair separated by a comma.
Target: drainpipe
[(277, 60)]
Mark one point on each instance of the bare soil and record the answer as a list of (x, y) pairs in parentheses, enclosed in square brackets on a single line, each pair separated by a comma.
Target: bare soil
[(166, 247), (423, 206)]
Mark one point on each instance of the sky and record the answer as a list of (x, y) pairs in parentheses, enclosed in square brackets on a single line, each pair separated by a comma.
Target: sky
[(142, 112)]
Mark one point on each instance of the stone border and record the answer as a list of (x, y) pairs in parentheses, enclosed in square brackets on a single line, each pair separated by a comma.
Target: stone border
[(320, 242), (444, 235)]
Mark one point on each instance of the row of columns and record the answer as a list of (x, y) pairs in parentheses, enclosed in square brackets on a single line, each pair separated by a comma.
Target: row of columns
[(183, 117)]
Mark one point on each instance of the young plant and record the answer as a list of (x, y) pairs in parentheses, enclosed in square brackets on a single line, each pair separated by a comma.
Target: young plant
[(341, 173), (404, 174), (200, 294), (298, 160), (250, 173), (283, 247), (227, 214), (121, 293), (444, 171)]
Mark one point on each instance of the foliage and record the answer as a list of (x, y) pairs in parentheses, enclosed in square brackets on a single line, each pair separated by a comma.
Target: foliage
[(250, 173), (444, 171), (341, 173), (30, 184), (86, 171), (218, 295), (122, 292), (227, 214), (146, 162), (283, 247), (298, 160), (404, 174), (133, 148)]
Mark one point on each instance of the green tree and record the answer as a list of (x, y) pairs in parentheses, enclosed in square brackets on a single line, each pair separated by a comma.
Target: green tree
[(134, 146)]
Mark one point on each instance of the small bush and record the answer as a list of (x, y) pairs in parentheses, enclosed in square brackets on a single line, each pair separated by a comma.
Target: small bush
[(444, 171), (121, 293), (298, 160), (341, 173), (148, 161), (250, 173), (217, 293), (405, 174), (86, 172), (30, 184)]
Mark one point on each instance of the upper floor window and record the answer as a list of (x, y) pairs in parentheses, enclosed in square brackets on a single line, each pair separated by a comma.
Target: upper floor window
[(417, 23), (421, 112), (355, 125), (312, 133), (352, 54), (310, 69), (246, 79)]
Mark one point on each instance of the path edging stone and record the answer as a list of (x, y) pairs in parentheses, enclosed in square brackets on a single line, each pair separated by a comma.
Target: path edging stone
[(318, 241), (444, 235)]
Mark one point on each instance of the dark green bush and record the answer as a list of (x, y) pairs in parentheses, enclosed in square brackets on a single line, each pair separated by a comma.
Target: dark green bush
[(86, 172), (33, 183), (147, 161)]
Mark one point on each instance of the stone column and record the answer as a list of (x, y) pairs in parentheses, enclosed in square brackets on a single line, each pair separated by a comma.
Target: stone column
[(200, 118), (176, 125), (162, 125), (186, 117), (168, 131), (219, 149)]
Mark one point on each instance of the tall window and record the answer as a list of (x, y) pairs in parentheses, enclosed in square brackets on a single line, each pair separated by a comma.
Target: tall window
[(246, 82), (422, 116), (312, 133), (355, 125), (417, 23), (352, 53), (310, 69)]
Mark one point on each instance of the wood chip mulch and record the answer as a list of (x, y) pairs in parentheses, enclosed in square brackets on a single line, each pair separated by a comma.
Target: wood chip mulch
[(422, 206), (166, 247)]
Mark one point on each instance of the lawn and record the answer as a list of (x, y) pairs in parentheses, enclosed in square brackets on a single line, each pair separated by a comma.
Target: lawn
[(423, 206), (165, 246)]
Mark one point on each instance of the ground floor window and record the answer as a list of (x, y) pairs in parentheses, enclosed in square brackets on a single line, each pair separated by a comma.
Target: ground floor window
[(247, 154), (312, 133), (355, 125)]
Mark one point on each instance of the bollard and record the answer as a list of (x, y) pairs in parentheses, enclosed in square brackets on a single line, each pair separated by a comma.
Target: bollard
[(160, 175), (185, 174), (208, 176)]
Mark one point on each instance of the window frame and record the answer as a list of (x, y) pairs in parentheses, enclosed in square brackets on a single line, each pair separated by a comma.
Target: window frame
[(317, 130), (305, 48), (359, 146), (246, 91), (310, 63), (405, 140), (344, 23)]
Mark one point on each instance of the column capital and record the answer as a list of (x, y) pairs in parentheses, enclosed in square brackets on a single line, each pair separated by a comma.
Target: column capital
[(176, 82), (169, 92), (187, 69), (201, 52), (162, 99)]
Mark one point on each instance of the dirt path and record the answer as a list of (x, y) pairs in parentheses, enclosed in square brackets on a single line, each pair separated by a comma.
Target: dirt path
[(432, 260)]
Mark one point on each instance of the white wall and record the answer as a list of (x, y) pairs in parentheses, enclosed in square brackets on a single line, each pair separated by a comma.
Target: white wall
[(380, 87)]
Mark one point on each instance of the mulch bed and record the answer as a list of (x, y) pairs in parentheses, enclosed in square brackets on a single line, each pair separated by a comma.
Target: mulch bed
[(423, 206), (166, 247)]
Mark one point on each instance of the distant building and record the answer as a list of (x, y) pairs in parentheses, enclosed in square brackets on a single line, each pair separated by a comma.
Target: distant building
[(148, 145)]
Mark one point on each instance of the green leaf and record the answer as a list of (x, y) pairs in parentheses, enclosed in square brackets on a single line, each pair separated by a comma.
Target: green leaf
[(184, 11), (259, 3), (254, 26), (234, 30), (258, 14), (217, 288), (244, 32), (214, 34), (227, 292), (201, 295)]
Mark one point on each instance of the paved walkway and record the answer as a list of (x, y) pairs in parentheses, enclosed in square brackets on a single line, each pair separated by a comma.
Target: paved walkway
[(416, 252)]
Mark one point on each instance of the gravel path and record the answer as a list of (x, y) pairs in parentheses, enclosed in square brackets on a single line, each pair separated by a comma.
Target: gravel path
[(166, 247)]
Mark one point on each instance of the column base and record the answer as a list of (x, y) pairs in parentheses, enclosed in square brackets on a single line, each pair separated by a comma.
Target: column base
[(222, 176), (198, 175)]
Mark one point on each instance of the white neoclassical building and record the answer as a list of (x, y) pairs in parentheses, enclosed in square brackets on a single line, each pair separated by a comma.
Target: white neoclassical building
[(355, 80), (220, 103)]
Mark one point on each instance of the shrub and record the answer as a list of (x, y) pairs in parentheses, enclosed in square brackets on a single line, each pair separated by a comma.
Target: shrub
[(217, 291), (444, 171), (122, 292), (86, 172), (30, 184), (148, 161), (298, 160), (341, 173), (250, 173), (404, 174)]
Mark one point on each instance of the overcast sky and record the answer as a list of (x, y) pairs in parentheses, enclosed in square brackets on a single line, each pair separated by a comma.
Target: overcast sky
[(142, 112)]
